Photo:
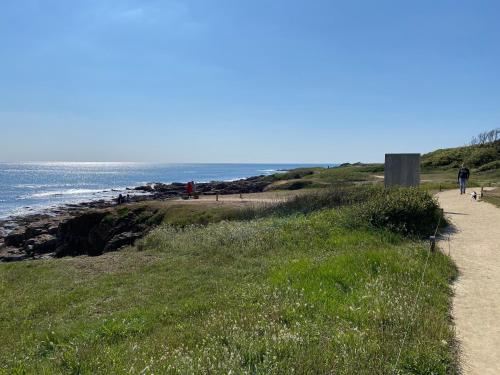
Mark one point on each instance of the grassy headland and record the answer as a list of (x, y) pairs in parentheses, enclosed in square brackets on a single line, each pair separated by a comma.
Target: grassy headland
[(439, 170), (441, 166), (283, 289)]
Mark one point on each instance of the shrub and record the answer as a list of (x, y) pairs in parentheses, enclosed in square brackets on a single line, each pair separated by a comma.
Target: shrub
[(473, 156), (333, 197), (444, 158), (481, 155), (292, 185), (409, 211), (490, 166), (293, 174)]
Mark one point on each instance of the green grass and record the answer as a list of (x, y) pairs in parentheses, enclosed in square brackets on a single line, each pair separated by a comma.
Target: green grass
[(348, 174), (314, 178), (492, 197), (477, 157), (177, 214), (187, 214), (439, 169), (432, 178), (308, 294), (293, 174)]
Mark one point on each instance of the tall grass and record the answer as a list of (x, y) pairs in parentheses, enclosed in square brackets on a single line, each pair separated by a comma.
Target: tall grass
[(298, 290), (409, 211)]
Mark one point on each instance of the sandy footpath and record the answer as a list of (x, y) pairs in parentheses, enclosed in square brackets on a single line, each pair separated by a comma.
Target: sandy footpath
[(475, 247)]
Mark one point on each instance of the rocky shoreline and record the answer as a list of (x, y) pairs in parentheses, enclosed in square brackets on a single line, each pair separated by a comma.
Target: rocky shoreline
[(93, 228)]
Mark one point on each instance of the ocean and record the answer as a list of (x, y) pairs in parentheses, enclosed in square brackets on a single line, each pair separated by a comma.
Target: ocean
[(27, 188)]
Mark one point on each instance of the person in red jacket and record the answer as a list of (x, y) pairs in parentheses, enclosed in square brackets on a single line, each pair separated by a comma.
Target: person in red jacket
[(189, 189)]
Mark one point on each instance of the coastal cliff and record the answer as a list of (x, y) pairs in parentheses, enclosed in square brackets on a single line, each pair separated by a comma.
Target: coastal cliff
[(98, 227)]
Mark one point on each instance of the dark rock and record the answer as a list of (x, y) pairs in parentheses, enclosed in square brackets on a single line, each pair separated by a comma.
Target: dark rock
[(173, 192), (11, 254), (53, 229), (14, 257), (250, 185), (15, 238), (44, 256), (147, 188), (35, 229), (73, 234), (122, 239), (44, 243)]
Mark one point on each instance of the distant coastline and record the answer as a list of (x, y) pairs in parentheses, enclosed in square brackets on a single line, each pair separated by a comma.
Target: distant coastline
[(57, 231), (34, 188)]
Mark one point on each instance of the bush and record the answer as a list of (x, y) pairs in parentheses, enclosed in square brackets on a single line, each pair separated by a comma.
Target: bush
[(408, 211), (293, 174), (481, 155), (333, 197), (444, 158), (472, 156), (490, 166), (292, 185)]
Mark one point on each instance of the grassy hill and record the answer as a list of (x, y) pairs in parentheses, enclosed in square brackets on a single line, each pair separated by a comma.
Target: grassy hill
[(480, 158), (439, 168), (323, 283)]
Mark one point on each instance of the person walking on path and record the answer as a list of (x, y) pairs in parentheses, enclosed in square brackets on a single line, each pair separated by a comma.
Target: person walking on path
[(463, 177)]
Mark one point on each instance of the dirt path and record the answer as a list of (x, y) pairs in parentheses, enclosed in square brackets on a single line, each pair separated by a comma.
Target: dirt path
[(475, 247), (269, 197)]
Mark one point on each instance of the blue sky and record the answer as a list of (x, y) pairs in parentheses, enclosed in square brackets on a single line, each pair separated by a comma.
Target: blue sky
[(244, 81)]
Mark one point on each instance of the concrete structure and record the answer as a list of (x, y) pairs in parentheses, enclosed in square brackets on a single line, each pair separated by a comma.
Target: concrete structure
[(402, 170)]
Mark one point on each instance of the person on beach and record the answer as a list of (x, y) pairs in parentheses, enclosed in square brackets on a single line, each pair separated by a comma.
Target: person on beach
[(189, 189), (120, 199), (463, 177)]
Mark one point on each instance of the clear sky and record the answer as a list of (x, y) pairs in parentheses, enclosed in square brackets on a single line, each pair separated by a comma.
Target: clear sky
[(244, 80)]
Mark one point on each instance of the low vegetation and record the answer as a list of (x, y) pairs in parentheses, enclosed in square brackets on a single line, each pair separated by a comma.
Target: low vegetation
[(439, 169), (325, 283), (492, 196), (482, 154), (349, 173)]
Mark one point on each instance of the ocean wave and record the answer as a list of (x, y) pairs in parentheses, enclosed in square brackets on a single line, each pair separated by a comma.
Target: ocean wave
[(47, 207), (58, 193), (272, 171), (69, 171), (42, 186)]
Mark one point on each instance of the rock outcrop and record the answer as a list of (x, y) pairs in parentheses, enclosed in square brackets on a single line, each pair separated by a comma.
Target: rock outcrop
[(87, 232), (73, 236), (255, 184)]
